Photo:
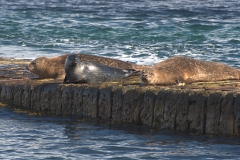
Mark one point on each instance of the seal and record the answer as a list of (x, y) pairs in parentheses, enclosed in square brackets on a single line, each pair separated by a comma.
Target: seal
[(53, 67), (182, 69), (45, 67), (78, 71)]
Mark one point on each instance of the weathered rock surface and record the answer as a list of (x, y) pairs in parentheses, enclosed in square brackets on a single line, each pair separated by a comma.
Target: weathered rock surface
[(236, 110), (213, 112), (197, 111), (226, 122), (132, 105), (117, 106), (105, 103), (90, 101), (148, 105), (189, 110), (77, 101)]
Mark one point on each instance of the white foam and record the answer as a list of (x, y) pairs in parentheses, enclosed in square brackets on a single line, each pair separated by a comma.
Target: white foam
[(139, 54)]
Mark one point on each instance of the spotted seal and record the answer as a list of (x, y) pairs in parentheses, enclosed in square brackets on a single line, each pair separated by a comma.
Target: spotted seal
[(78, 71), (53, 67), (187, 70)]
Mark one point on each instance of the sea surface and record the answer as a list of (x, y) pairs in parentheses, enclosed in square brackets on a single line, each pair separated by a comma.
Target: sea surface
[(139, 31), (30, 137)]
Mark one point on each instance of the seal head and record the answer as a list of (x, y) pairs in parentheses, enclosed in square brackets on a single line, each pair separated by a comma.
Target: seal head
[(46, 68)]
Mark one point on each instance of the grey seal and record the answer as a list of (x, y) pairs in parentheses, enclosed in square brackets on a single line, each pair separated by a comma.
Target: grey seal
[(78, 71)]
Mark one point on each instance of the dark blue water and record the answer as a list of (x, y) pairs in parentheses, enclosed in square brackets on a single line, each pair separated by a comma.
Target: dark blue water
[(141, 31), (34, 137)]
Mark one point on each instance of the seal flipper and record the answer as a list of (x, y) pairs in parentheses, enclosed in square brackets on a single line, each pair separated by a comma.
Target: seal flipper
[(65, 79), (131, 72)]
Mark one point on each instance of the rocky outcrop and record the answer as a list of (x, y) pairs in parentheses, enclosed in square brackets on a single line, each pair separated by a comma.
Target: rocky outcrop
[(196, 111)]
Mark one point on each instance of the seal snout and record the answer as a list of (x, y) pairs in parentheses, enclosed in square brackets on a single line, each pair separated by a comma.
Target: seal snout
[(144, 76), (73, 64), (147, 75), (72, 60), (31, 66)]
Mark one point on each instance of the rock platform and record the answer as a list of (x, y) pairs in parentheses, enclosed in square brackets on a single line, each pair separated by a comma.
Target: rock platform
[(200, 108)]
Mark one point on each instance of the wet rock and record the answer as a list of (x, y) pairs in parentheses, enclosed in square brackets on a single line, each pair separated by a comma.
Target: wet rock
[(158, 114), (170, 110), (148, 107), (132, 105), (197, 112), (105, 103), (56, 102), (44, 96), (18, 93), (226, 123), (117, 106), (67, 96), (236, 109), (48, 98), (213, 111), (90, 101), (26, 97), (36, 97), (7, 94), (0, 90), (182, 108), (77, 101)]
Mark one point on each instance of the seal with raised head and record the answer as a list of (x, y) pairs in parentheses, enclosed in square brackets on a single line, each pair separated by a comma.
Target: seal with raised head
[(45, 67), (78, 71), (187, 70), (53, 67)]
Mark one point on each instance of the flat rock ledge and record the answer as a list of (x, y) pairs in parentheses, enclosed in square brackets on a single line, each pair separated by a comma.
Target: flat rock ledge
[(192, 110), (211, 108)]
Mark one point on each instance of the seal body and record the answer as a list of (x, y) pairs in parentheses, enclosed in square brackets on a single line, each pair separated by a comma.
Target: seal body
[(93, 73), (53, 67), (187, 70)]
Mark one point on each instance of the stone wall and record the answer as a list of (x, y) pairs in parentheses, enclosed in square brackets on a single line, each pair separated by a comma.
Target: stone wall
[(195, 111)]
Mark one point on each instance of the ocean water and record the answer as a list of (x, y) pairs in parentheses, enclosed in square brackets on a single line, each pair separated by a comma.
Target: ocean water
[(36, 137), (140, 31)]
